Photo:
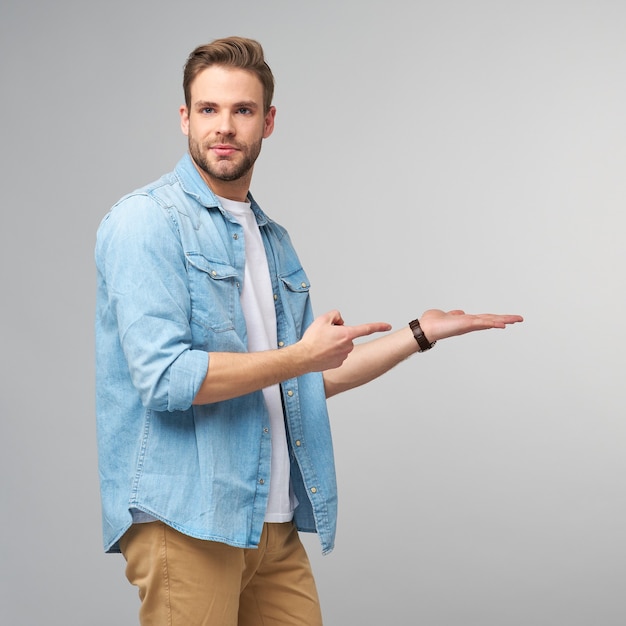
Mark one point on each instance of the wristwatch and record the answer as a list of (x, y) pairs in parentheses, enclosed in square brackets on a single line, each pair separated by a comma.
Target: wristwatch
[(420, 337)]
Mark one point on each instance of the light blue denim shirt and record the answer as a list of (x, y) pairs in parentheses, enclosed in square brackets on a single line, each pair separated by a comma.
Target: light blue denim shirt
[(170, 265)]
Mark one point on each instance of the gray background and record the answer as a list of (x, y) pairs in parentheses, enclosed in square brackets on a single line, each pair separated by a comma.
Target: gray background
[(427, 154)]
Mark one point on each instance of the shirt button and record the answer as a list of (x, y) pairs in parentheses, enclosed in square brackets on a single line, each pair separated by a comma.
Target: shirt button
[(235, 236), (313, 489), (298, 443), (302, 285), (262, 482), (213, 273), (290, 393), (281, 344), (266, 430), (275, 297)]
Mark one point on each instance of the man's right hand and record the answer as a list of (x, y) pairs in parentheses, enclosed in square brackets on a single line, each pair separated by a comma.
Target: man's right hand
[(328, 341)]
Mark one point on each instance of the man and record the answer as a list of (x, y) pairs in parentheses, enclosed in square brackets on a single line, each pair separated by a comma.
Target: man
[(212, 374)]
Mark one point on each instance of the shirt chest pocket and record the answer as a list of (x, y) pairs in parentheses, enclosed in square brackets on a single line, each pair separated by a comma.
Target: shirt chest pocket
[(296, 294), (214, 292)]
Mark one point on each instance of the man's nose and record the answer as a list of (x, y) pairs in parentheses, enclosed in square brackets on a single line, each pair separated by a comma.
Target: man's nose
[(225, 124)]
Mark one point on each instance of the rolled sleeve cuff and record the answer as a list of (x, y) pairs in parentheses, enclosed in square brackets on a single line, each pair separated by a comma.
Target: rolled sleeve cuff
[(186, 376)]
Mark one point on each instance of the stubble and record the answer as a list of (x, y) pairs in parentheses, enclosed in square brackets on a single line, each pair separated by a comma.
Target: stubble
[(225, 168)]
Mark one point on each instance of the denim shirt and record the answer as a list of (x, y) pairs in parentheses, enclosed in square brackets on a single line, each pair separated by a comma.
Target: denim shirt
[(170, 266)]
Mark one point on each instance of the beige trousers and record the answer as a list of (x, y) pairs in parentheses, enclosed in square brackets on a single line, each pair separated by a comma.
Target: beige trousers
[(184, 581)]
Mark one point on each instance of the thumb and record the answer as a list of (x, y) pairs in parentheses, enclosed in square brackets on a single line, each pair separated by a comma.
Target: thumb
[(335, 318)]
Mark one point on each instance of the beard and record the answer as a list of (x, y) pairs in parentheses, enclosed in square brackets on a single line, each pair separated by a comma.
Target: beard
[(224, 168)]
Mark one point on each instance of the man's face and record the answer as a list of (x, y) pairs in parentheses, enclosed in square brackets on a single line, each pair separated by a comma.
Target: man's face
[(225, 125)]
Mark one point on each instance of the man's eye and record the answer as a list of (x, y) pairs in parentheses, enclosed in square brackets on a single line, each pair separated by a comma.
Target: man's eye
[(207, 110), (243, 111)]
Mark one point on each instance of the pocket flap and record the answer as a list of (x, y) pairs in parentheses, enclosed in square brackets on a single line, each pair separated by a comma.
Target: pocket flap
[(218, 270)]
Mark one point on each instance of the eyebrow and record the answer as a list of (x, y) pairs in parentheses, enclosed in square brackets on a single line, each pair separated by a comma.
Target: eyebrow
[(248, 104)]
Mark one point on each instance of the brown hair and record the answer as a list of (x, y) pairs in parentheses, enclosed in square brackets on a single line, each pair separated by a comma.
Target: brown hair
[(239, 52)]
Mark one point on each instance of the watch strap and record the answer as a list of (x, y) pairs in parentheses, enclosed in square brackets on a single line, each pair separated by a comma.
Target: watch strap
[(420, 337)]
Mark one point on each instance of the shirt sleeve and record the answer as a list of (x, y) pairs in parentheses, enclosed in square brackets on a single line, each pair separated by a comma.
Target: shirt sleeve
[(146, 301)]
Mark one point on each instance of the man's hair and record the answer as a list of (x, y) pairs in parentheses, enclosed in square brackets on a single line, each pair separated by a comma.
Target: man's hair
[(237, 52)]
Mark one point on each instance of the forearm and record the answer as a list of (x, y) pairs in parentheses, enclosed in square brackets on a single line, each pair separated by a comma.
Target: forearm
[(370, 360), (233, 374), (324, 346)]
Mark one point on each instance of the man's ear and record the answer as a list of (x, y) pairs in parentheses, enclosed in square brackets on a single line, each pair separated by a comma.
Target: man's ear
[(184, 119), (270, 116)]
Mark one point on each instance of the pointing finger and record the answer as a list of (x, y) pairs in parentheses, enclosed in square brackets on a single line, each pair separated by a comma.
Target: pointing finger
[(363, 330)]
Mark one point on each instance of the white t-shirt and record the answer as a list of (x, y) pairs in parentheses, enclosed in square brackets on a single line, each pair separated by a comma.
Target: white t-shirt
[(257, 302)]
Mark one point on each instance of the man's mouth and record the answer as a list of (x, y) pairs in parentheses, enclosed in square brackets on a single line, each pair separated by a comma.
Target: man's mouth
[(223, 150)]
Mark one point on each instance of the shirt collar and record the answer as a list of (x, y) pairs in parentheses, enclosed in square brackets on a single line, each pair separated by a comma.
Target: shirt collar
[(193, 185)]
